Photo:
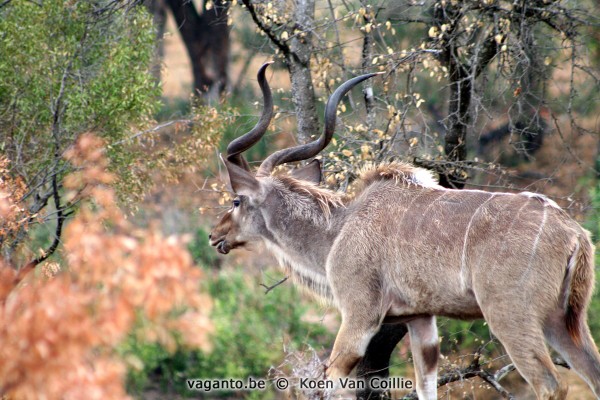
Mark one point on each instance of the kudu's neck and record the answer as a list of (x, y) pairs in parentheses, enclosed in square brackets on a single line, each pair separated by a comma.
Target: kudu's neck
[(302, 245)]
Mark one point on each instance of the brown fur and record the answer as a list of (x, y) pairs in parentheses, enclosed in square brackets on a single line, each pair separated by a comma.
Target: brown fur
[(402, 173), (581, 289), (326, 198), (406, 247)]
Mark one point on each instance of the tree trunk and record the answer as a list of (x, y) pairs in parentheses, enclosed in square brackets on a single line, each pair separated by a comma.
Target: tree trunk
[(298, 63), (206, 38), (366, 65), (158, 10), (458, 121)]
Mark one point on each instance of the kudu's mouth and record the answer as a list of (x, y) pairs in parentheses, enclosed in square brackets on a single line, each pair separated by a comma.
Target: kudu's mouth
[(221, 245)]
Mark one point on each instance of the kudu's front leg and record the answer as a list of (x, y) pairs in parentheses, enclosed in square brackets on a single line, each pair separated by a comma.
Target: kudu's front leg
[(351, 342), (425, 349)]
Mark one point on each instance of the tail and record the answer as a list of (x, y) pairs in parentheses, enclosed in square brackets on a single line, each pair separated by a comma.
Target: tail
[(580, 286)]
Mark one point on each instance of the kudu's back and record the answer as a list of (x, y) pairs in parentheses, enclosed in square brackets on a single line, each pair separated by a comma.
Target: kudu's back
[(446, 252), (412, 249)]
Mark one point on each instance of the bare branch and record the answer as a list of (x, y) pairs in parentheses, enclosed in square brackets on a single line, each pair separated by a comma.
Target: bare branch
[(474, 369), (281, 45), (153, 130), (269, 288)]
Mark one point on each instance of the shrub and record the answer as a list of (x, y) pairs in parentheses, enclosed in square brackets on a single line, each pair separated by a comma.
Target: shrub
[(61, 329), (253, 332)]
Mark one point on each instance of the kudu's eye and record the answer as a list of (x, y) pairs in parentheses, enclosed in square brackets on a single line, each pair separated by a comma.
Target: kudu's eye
[(236, 202)]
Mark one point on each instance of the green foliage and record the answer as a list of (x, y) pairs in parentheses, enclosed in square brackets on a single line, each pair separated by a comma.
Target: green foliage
[(201, 251), (252, 329), (593, 222), (67, 69), (253, 326), (172, 108), (462, 337), (248, 116), (593, 225)]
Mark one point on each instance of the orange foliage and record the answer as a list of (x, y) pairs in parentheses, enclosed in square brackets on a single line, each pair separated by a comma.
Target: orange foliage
[(12, 189), (59, 329)]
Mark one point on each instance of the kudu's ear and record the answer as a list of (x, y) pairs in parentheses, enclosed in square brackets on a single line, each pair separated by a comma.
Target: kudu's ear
[(242, 181), (311, 172)]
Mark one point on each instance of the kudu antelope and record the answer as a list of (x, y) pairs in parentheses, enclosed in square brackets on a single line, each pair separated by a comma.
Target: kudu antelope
[(404, 249)]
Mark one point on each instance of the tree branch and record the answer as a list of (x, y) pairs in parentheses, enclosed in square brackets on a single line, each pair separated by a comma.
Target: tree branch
[(60, 219), (474, 369), (57, 111), (153, 130), (269, 288), (282, 46)]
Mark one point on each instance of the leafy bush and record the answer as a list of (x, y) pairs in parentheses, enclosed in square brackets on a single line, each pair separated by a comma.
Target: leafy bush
[(61, 329), (251, 330), (200, 249), (68, 68)]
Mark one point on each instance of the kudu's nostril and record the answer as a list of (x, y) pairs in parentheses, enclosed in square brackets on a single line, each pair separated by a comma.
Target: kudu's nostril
[(209, 236)]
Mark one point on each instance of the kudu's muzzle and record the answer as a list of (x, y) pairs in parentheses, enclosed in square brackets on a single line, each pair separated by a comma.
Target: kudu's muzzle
[(220, 243)]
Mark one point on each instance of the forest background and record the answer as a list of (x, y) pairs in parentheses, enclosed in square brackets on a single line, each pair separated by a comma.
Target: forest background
[(112, 116)]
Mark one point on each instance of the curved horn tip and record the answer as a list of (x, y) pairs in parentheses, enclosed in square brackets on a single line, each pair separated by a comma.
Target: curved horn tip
[(265, 65)]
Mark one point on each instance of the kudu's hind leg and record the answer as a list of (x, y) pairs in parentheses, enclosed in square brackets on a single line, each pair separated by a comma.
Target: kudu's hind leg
[(524, 342), (583, 357), (376, 361), (425, 349)]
